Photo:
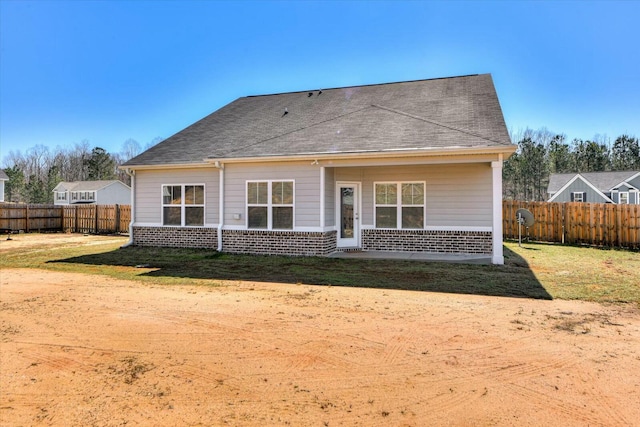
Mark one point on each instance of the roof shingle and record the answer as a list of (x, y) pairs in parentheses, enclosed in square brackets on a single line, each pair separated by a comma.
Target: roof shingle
[(424, 114)]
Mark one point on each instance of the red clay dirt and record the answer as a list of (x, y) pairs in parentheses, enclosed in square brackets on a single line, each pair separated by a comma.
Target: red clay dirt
[(90, 350)]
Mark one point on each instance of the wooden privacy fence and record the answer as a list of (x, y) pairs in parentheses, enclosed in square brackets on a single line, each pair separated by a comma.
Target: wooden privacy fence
[(95, 219), (598, 224)]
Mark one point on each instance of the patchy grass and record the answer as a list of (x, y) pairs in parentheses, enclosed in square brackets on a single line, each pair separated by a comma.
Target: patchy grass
[(530, 271), (583, 273)]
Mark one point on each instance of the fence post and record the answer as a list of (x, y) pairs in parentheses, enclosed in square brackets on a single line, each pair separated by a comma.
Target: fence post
[(26, 218), (116, 224), (96, 220)]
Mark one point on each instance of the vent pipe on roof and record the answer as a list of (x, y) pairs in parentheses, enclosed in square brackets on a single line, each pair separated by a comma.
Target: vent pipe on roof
[(286, 111)]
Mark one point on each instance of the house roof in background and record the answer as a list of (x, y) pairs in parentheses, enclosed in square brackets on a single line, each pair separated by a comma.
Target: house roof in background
[(603, 181), (3, 175), (86, 185), (461, 112)]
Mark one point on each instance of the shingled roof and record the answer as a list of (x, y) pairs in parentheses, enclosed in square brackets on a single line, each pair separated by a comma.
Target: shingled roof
[(461, 112), (85, 185), (603, 181)]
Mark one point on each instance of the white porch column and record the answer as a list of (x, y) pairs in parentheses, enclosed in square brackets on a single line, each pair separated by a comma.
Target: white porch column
[(496, 169), (322, 195), (221, 205)]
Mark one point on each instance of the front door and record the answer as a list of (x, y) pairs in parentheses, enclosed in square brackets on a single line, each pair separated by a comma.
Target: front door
[(348, 214)]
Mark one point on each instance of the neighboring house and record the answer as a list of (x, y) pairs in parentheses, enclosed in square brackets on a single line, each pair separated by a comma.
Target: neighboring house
[(412, 166), (111, 192), (595, 187), (3, 177)]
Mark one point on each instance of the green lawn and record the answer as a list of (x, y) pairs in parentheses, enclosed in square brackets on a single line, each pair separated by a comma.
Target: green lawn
[(532, 271)]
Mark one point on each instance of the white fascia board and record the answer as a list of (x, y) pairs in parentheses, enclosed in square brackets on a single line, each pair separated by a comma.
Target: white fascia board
[(571, 181), (167, 166), (413, 152)]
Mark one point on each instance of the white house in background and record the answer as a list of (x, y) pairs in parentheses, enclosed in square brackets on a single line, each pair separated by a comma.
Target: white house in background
[(412, 166), (112, 192), (3, 178)]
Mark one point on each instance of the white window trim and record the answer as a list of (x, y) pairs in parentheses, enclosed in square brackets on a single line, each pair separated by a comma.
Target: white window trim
[(61, 196), (269, 205), (620, 193), (399, 204), (183, 206), (575, 193), (83, 196)]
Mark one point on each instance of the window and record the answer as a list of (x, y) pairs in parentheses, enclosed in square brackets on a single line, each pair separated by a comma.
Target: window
[(399, 205), (61, 195), (183, 205), (623, 198), (578, 197), (270, 205)]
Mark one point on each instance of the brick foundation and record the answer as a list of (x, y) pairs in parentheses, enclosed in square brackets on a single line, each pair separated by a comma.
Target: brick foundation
[(467, 242), (265, 242), (176, 237)]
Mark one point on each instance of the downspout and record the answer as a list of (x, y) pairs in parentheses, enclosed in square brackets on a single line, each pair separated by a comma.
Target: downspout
[(132, 174), (220, 167)]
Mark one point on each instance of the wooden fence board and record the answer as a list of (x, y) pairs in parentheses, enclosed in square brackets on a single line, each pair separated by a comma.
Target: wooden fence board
[(92, 219), (596, 224)]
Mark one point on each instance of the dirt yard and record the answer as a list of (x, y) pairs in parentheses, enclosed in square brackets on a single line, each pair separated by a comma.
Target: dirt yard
[(90, 350)]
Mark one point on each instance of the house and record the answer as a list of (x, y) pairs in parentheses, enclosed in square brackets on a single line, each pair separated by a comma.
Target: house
[(108, 192), (3, 177), (595, 187), (413, 166)]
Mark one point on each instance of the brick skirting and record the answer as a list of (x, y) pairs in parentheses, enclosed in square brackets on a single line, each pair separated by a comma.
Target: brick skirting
[(265, 242), (176, 237), (299, 243), (467, 242)]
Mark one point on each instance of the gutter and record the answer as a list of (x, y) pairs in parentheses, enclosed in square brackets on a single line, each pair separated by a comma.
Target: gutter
[(132, 174), (506, 150)]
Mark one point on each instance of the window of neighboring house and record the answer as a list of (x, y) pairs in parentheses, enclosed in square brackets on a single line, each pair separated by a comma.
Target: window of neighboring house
[(183, 205), (579, 197), (623, 198), (87, 196), (61, 195), (399, 205), (270, 205)]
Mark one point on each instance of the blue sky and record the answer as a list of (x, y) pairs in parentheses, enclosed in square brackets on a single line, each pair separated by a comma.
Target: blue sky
[(107, 71)]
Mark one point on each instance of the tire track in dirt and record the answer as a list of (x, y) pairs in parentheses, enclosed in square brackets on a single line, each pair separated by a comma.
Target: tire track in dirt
[(543, 402)]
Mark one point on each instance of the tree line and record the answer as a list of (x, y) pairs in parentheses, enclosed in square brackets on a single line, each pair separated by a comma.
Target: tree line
[(34, 174), (540, 153)]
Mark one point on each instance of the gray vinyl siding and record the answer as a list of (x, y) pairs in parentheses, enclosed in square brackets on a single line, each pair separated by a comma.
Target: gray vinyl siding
[(578, 186), (148, 188), (615, 195), (456, 194), (329, 198), (635, 182), (306, 179), (634, 196), (114, 194)]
